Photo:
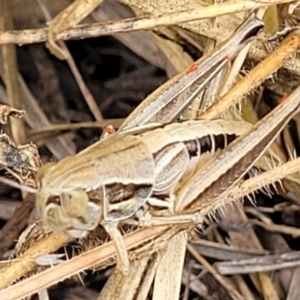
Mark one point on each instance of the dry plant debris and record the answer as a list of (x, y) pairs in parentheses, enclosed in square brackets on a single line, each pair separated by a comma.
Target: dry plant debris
[(6, 112), (186, 255)]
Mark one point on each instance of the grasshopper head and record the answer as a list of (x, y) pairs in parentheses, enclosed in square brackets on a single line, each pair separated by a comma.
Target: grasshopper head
[(67, 211)]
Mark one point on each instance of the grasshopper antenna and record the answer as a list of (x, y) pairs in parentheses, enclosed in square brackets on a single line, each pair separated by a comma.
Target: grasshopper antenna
[(18, 185)]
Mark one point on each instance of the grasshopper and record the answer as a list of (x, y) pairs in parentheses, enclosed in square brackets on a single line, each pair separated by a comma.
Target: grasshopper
[(113, 179)]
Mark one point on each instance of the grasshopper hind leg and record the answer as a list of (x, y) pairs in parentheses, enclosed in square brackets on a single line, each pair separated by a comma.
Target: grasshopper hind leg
[(171, 163)]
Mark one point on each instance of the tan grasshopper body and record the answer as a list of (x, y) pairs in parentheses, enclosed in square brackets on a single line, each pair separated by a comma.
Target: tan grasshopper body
[(113, 178)]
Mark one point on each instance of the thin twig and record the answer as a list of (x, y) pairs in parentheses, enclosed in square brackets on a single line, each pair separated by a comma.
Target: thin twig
[(91, 102), (73, 266), (107, 28)]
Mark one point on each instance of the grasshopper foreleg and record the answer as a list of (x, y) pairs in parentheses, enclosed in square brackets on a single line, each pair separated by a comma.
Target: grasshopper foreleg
[(123, 264), (121, 210)]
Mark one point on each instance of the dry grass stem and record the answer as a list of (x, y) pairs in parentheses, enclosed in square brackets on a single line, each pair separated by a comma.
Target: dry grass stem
[(26, 263), (63, 51), (93, 30), (68, 18), (75, 265), (149, 275), (262, 180), (10, 67), (54, 129), (124, 286), (168, 287), (256, 76)]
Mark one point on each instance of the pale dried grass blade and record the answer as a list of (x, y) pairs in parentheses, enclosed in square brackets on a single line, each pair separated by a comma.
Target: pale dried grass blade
[(261, 180), (294, 286), (169, 100), (169, 272), (259, 264), (73, 266), (256, 76), (295, 232), (147, 279), (55, 129), (227, 23), (98, 29), (225, 283), (20, 267), (124, 287), (174, 52)]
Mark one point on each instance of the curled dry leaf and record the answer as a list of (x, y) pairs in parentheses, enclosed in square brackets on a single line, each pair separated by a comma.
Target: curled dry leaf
[(21, 161), (7, 111)]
